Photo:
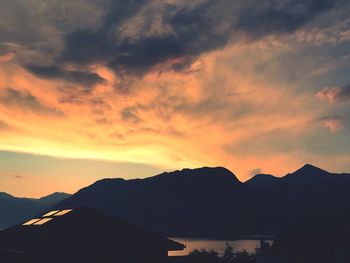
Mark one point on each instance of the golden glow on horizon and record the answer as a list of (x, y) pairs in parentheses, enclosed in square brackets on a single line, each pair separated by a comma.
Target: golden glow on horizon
[(167, 148)]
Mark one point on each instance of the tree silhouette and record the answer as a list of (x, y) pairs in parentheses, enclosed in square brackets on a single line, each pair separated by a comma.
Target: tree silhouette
[(211, 256), (204, 256)]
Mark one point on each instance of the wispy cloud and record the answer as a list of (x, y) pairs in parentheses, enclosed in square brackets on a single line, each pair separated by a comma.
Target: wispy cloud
[(335, 94), (255, 172), (25, 101), (17, 176), (333, 123)]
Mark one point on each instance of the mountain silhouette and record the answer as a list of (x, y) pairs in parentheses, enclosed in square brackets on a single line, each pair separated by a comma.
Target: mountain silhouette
[(306, 175), (310, 170), (53, 198), (14, 210), (263, 181), (181, 203), (5, 195), (308, 197), (212, 202)]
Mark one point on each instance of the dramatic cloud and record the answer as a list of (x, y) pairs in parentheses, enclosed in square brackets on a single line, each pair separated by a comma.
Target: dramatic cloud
[(148, 33), (175, 84), (134, 36), (263, 18)]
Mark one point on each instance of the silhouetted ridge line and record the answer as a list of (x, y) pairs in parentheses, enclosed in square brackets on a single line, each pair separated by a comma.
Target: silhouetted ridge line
[(263, 181), (309, 169), (5, 195), (212, 202), (16, 209)]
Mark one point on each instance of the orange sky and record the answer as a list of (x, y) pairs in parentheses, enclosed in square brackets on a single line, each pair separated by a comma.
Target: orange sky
[(257, 101)]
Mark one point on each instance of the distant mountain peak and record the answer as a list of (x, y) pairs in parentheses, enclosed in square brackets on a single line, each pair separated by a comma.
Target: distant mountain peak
[(203, 173), (309, 169), (214, 170), (54, 197), (262, 181), (263, 176)]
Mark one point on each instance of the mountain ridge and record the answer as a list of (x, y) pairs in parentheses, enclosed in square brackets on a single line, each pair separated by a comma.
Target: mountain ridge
[(212, 202), (262, 180)]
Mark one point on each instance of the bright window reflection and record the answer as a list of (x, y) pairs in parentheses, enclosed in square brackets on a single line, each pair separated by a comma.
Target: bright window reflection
[(51, 213), (63, 212), (32, 221), (47, 217), (43, 221)]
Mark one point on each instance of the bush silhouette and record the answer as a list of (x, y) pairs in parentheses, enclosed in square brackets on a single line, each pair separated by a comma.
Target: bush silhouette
[(229, 256), (204, 256)]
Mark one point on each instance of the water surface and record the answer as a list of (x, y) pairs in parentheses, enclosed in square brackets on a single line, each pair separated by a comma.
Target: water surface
[(217, 245)]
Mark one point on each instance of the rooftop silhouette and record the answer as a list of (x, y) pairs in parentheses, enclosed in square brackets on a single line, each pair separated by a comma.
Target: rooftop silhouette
[(82, 235)]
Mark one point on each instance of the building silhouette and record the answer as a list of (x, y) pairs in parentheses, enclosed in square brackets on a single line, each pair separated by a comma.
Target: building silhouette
[(82, 235)]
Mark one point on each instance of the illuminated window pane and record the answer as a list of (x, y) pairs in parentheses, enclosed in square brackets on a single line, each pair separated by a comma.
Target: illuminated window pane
[(63, 212), (32, 221), (51, 213), (43, 221)]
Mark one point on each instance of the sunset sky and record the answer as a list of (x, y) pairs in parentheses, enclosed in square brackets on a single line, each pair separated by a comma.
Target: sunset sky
[(100, 88)]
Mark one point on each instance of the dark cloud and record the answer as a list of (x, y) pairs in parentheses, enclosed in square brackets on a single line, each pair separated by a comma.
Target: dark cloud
[(265, 17), (336, 94), (25, 101), (99, 45), (145, 53), (326, 118), (84, 78), (17, 176), (131, 37), (192, 30)]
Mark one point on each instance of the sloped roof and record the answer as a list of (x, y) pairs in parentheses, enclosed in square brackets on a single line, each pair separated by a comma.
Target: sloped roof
[(83, 227)]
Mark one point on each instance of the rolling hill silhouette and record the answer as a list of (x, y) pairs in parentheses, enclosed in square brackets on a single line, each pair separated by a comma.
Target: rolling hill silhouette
[(14, 210)]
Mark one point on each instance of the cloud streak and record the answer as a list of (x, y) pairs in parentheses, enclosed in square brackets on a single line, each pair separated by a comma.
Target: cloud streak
[(87, 79), (22, 100)]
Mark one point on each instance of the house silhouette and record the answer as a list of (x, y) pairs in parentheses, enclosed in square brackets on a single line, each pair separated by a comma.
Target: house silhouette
[(82, 235)]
